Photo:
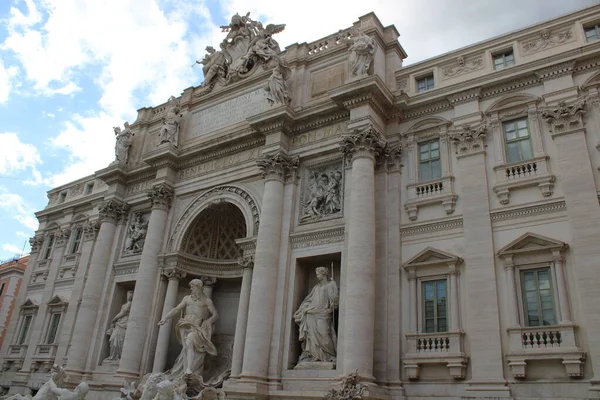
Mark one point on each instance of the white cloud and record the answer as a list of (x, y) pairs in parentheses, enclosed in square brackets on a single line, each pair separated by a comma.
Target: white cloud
[(17, 156), (7, 80), (48, 114), (14, 205), (10, 248), (23, 235)]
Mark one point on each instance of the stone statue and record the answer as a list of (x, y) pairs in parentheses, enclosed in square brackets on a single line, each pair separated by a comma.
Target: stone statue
[(136, 234), (214, 65), (325, 197), (123, 143), (263, 47), (116, 332), (315, 320), (276, 88), (169, 133), (45, 392), (362, 52), (78, 394), (194, 331)]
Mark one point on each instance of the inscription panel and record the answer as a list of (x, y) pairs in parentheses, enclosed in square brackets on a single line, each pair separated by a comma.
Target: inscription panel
[(229, 112), (219, 163), (318, 135)]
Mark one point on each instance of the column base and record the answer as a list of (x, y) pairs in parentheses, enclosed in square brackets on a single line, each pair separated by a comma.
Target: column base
[(246, 388), (492, 388), (127, 375)]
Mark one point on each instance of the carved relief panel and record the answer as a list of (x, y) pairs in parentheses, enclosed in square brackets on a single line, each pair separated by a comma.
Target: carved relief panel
[(136, 234), (322, 192)]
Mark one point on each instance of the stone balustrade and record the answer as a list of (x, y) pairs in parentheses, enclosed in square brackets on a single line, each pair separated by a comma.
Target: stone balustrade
[(534, 172), (439, 191), (435, 348)]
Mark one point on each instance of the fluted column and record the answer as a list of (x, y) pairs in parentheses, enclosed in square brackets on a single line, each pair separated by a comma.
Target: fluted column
[(164, 333), (242, 317), (511, 287), (360, 148), (111, 212), (565, 312), (145, 286), (275, 168), (454, 316)]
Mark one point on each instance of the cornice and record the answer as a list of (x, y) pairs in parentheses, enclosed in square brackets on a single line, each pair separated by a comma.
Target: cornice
[(165, 156), (317, 237), (530, 211), (277, 119), (455, 223), (236, 147), (370, 90)]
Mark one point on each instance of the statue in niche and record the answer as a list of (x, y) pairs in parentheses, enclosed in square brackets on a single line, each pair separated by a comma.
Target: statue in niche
[(194, 331), (116, 332), (169, 133), (123, 143), (214, 65), (362, 52), (276, 87), (315, 320), (324, 194), (136, 234)]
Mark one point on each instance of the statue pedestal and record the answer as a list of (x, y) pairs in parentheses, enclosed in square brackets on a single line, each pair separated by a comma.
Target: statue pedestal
[(315, 365)]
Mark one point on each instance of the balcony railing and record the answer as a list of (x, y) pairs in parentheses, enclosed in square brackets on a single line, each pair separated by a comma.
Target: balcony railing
[(534, 172), (435, 348), (428, 193)]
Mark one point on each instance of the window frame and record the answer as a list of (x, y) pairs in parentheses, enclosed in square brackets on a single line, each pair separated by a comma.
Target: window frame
[(518, 139), (595, 27), (422, 319), (520, 269), (430, 160), (22, 339), (503, 54), (48, 246), (76, 238), (49, 326), (425, 78)]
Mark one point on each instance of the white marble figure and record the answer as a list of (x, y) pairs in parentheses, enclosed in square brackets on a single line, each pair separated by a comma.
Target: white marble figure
[(276, 88), (117, 330), (194, 331), (263, 46), (165, 390), (123, 143), (136, 235), (325, 195), (315, 320), (78, 394), (45, 391), (169, 132), (362, 52), (214, 65)]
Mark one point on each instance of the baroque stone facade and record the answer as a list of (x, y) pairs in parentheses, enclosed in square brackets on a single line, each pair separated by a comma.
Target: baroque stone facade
[(321, 222)]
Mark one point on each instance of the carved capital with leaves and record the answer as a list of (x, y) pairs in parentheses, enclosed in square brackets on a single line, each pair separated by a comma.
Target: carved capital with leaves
[(468, 139), (113, 210), (362, 143), (565, 118), (246, 262), (62, 236), (160, 196), (173, 273), (390, 157), (277, 166), (36, 243), (90, 230)]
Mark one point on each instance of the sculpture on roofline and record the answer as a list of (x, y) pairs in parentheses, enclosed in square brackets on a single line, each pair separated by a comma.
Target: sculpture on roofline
[(277, 88), (169, 132), (362, 50), (123, 143), (214, 65)]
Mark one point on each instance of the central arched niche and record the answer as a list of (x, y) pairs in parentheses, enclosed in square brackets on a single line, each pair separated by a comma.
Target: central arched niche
[(212, 236)]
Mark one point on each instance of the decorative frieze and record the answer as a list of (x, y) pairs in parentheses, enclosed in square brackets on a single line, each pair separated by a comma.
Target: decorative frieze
[(113, 210), (465, 96), (531, 211), (468, 139), (514, 85), (555, 71), (160, 196), (456, 223), (565, 118), (277, 166), (547, 39), (462, 66), (317, 238)]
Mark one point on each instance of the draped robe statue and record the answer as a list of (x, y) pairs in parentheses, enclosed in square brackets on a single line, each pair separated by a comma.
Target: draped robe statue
[(315, 320), (117, 330), (194, 331)]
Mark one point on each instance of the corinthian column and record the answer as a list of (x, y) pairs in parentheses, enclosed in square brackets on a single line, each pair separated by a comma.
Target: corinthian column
[(164, 333), (360, 148), (242, 316), (110, 213), (145, 285), (275, 168)]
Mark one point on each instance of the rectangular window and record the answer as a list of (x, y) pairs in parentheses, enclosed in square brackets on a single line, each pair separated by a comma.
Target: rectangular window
[(429, 161), (435, 316), (24, 329), (62, 197), (53, 328), (518, 140), (425, 83), (538, 298), (592, 33), (48, 247), (503, 60), (75, 241), (89, 188)]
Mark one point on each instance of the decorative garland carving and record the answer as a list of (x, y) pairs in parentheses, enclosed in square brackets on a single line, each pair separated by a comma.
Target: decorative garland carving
[(547, 40), (462, 66)]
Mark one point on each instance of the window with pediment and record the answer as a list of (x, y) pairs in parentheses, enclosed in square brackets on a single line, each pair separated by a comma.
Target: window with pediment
[(215, 231), (430, 180), (435, 335), (27, 313), (540, 325), (520, 159)]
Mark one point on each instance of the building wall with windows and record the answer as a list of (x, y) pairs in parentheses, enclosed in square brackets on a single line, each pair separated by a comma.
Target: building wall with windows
[(11, 275), (462, 229)]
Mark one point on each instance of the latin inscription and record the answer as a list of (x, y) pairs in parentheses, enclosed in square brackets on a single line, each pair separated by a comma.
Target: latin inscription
[(229, 112), (219, 163), (318, 135)]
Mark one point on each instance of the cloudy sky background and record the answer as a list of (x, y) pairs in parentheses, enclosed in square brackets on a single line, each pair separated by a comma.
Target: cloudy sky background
[(70, 70)]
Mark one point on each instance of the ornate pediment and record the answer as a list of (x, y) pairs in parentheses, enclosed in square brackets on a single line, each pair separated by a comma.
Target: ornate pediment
[(512, 101), (426, 124), (532, 242), (58, 301), (431, 257), (29, 304)]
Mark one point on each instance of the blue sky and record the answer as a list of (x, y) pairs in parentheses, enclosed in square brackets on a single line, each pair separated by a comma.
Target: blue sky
[(70, 70)]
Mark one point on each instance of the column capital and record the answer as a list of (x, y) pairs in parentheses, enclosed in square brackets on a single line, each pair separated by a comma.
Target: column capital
[(36, 243), (113, 210), (160, 196), (246, 262), (277, 166), (173, 273), (62, 236), (209, 281), (362, 143), (565, 118), (390, 158), (90, 230), (468, 139)]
